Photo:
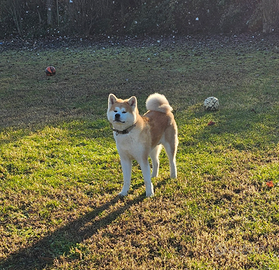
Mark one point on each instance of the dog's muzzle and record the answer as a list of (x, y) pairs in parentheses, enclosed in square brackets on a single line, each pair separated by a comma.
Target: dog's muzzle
[(117, 118)]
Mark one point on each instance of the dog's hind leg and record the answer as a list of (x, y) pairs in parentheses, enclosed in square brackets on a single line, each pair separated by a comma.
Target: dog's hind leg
[(171, 149), (155, 160), (171, 152), (127, 171), (145, 168)]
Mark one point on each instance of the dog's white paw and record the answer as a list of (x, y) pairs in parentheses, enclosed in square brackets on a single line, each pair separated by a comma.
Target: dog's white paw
[(123, 193), (149, 190), (150, 193)]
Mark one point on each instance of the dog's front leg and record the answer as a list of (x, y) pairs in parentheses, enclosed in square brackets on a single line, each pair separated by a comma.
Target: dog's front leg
[(126, 164), (145, 168)]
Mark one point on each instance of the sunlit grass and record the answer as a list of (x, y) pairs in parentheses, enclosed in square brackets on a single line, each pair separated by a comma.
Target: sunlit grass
[(60, 171)]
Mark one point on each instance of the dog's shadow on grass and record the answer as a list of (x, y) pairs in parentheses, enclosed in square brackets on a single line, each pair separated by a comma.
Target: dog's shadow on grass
[(46, 250)]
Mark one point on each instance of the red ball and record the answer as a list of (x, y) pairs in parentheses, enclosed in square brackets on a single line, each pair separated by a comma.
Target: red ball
[(50, 71)]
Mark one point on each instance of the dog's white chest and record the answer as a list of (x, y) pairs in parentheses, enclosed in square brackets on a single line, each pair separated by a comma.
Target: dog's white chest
[(124, 141), (128, 145)]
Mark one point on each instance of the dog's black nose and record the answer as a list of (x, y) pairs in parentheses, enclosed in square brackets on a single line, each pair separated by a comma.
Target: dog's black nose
[(117, 116)]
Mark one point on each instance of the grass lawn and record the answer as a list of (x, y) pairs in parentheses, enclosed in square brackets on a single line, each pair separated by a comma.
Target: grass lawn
[(60, 171)]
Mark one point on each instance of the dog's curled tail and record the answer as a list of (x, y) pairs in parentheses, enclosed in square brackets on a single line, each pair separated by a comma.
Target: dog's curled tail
[(158, 102)]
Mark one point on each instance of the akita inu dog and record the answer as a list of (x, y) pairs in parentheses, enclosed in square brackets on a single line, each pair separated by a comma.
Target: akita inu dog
[(138, 137)]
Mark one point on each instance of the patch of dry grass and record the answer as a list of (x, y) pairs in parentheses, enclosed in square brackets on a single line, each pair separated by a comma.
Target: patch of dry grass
[(60, 171)]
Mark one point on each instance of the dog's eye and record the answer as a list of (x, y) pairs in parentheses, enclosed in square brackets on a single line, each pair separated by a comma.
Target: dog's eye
[(124, 112), (115, 110)]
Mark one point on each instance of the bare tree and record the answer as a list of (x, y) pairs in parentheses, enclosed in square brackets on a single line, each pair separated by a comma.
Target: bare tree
[(14, 9), (49, 12), (57, 12), (270, 15)]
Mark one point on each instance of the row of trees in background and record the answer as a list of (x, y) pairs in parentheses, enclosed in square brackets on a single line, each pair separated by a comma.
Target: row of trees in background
[(39, 18)]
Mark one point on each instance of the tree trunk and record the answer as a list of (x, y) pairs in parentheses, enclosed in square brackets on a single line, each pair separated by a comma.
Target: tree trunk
[(270, 15), (48, 6), (57, 12), (16, 18)]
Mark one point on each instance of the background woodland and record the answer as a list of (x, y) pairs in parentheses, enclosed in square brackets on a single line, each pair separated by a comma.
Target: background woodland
[(41, 18)]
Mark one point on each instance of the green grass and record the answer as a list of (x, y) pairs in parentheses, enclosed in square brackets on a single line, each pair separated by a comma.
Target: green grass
[(60, 171)]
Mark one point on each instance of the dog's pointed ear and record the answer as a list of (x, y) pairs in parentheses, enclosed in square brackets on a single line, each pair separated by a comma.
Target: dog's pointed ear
[(111, 99), (132, 101)]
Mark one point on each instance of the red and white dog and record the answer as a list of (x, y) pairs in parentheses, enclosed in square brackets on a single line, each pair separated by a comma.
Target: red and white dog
[(138, 137)]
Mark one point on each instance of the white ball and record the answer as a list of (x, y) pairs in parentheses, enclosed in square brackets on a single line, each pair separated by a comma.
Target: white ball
[(211, 104)]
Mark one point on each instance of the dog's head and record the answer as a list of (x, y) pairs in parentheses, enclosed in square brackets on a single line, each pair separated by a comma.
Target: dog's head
[(122, 113)]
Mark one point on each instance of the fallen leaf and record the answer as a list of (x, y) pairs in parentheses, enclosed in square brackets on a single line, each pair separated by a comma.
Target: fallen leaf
[(270, 184)]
